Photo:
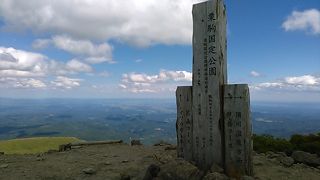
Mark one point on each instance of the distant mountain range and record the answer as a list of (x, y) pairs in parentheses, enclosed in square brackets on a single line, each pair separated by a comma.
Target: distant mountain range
[(150, 120)]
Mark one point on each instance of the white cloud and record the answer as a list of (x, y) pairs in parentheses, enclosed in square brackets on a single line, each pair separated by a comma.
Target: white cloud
[(24, 69), (30, 83), (41, 43), (65, 82), (141, 23), (308, 20), (20, 63), (8, 82), (306, 80), (164, 81), (255, 74), (92, 53), (294, 83), (77, 66)]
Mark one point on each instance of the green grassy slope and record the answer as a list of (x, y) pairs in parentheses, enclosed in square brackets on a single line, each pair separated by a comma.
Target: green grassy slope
[(34, 145)]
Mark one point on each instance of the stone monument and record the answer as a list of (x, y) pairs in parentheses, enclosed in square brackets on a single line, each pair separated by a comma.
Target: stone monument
[(213, 118)]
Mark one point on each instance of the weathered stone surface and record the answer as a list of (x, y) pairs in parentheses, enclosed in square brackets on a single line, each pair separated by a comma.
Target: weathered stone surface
[(179, 169), (215, 176), (238, 130), (287, 161), (184, 122), (209, 74), (306, 158), (135, 142)]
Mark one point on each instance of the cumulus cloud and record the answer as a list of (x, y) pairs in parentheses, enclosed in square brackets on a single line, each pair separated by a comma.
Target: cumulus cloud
[(63, 82), (164, 81), (308, 20), (255, 74), (141, 23), (77, 66), (24, 69), (92, 53), (8, 82), (294, 83), (20, 63)]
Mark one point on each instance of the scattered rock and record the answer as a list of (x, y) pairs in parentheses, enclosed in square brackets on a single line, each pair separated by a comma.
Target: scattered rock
[(287, 161), (125, 161), (306, 158), (152, 172), (216, 168), (107, 163), (215, 176), (2, 166), (170, 147), (247, 178), (40, 159), (272, 155), (64, 147), (282, 154), (1, 153), (179, 169), (89, 171)]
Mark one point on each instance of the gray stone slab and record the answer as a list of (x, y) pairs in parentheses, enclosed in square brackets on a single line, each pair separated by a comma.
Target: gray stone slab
[(209, 74), (184, 122), (238, 130)]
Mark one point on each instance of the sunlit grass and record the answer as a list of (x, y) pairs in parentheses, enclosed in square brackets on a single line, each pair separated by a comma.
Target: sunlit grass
[(34, 145)]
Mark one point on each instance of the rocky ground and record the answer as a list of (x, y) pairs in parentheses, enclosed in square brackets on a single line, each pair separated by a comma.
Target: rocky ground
[(122, 161)]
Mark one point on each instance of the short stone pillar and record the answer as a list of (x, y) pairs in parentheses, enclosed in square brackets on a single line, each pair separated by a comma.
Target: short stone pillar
[(184, 122), (238, 130)]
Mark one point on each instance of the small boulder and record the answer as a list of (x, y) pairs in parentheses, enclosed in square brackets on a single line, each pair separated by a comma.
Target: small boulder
[(216, 168), (306, 158), (179, 169), (136, 142), (152, 172), (89, 171), (286, 161), (215, 176)]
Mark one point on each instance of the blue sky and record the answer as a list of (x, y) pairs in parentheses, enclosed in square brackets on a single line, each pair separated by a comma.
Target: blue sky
[(142, 49)]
